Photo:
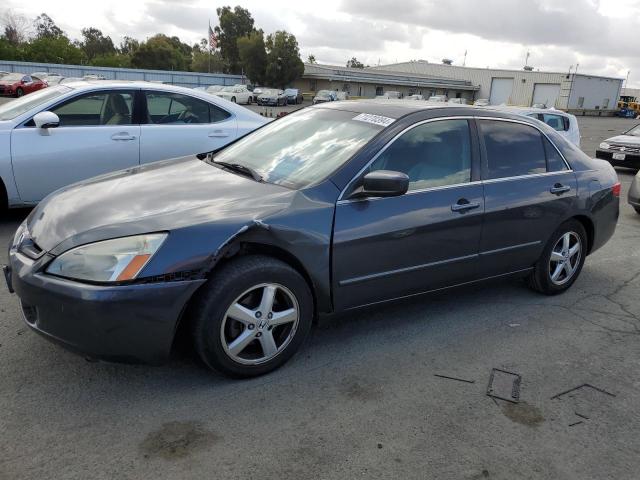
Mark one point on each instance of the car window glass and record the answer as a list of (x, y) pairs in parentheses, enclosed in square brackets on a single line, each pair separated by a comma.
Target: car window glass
[(217, 114), (174, 108), (555, 163), (512, 149), (98, 108), (432, 154), (554, 121)]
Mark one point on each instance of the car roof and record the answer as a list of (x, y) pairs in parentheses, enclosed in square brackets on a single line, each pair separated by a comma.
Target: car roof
[(521, 110), (396, 109)]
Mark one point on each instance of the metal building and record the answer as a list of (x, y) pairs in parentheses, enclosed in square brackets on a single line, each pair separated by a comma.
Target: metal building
[(581, 92), (368, 83)]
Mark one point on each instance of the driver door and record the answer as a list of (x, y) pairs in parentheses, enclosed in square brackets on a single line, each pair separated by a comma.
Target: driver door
[(178, 125)]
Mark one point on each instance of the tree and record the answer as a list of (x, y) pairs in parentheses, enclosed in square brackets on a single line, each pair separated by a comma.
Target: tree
[(48, 49), (128, 46), (355, 63), (96, 44), (311, 59), (283, 59), (9, 50), (233, 24), (161, 53), (16, 27), (113, 60), (253, 56), (203, 61), (46, 28)]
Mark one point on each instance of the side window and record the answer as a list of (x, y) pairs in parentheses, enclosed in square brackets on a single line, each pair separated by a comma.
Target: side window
[(432, 154), (174, 108), (99, 108), (554, 121), (27, 79), (555, 163), (217, 114), (512, 149)]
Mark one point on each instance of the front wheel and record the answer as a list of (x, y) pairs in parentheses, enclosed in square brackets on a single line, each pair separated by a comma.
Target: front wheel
[(252, 316), (561, 261), (19, 92), (637, 209), (249, 100), (233, 99)]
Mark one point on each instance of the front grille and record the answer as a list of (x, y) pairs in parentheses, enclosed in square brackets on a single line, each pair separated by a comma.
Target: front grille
[(624, 149)]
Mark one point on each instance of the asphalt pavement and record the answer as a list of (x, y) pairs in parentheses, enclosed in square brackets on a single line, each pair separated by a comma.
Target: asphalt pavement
[(362, 399)]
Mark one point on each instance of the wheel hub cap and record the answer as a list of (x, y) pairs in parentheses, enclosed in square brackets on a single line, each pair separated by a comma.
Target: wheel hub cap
[(565, 258)]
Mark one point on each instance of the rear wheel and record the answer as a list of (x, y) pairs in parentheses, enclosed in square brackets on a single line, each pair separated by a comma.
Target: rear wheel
[(561, 261), (252, 316), (637, 209), (233, 99)]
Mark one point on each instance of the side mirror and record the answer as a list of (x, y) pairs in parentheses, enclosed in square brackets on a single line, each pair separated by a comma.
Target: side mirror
[(383, 183), (46, 120)]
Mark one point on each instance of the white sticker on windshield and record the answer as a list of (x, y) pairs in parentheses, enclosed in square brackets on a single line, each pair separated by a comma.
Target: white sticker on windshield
[(375, 119)]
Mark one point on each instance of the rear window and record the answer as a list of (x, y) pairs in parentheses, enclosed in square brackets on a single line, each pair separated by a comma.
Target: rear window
[(512, 149)]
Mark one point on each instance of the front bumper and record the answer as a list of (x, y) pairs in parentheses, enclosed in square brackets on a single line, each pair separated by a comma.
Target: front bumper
[(268, 102), (631, 160), (127, 323)]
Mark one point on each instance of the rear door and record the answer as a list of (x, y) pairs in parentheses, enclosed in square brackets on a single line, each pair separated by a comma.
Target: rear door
[(529, 190), (96, 135), (385, 248), (178, 125)]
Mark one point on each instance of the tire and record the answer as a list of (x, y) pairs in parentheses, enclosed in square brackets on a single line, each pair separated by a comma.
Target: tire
[(233, 99), (4, 200), (637, 209), (19, 92), (247, 280), (541, 279), (250, 100)]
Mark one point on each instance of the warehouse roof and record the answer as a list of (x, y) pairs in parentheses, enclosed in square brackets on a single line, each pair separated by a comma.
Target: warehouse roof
[(345, 74)]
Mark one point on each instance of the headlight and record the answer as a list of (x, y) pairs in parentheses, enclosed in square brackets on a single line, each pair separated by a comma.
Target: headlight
[(604, 146), (16, 237), (114, 260)]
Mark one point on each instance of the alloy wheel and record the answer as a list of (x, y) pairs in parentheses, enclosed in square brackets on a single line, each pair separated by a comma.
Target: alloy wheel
[(565, 258), (259, 324)]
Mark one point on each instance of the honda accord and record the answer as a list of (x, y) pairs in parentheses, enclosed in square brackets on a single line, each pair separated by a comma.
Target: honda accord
[(333, 207)]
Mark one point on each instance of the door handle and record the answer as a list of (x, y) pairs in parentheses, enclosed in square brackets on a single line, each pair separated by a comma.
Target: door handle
[(122, 136), (218, 134), (463, 205), (559, 189)]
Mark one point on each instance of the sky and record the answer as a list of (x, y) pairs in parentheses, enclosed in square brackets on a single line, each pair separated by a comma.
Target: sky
[(602, 36)]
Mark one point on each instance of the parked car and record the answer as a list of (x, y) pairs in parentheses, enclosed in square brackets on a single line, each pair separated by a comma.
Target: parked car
[(54, 80), (342, 96), (67, 80), (563, 123), (327, 209), (236, 94), (481, 102), (622, 150), (459, 101), (438, 98), (323, 96), (294, 96), (3, 73), (18, 84), (67, 133), (94, 76), (272, 96), (414, 97), (214, 88), (634, 193)]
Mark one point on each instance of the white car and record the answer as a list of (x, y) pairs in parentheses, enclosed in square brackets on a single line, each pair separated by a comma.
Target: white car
[(414, 97), (564, 123), (236, 94), (438, 98), (481, 102), (458, 101), (67, 133)]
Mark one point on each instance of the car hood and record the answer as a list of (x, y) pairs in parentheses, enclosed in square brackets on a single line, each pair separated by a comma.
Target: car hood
[(624, 140), (7, 82), (162, 196)]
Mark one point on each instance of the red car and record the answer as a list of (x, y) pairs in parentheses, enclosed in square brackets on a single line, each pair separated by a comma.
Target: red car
[(18, 84)]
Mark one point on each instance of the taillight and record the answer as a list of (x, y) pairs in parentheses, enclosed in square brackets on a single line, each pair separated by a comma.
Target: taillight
[(616, 189)]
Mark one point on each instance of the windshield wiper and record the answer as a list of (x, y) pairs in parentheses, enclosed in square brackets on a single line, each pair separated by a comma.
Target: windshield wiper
[(242, 169)]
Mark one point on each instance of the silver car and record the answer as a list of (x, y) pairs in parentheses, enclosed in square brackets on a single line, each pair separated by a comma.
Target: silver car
[(622, 150)]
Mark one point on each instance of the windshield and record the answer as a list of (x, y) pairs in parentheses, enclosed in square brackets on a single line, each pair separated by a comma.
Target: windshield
[(301, 148), (13, 77), (268, 91), (324, 93), (635, 131), (291, 91), (14, 108)]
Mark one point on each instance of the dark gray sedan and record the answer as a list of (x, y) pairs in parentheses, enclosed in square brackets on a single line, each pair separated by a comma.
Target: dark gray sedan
[(330, 208)]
